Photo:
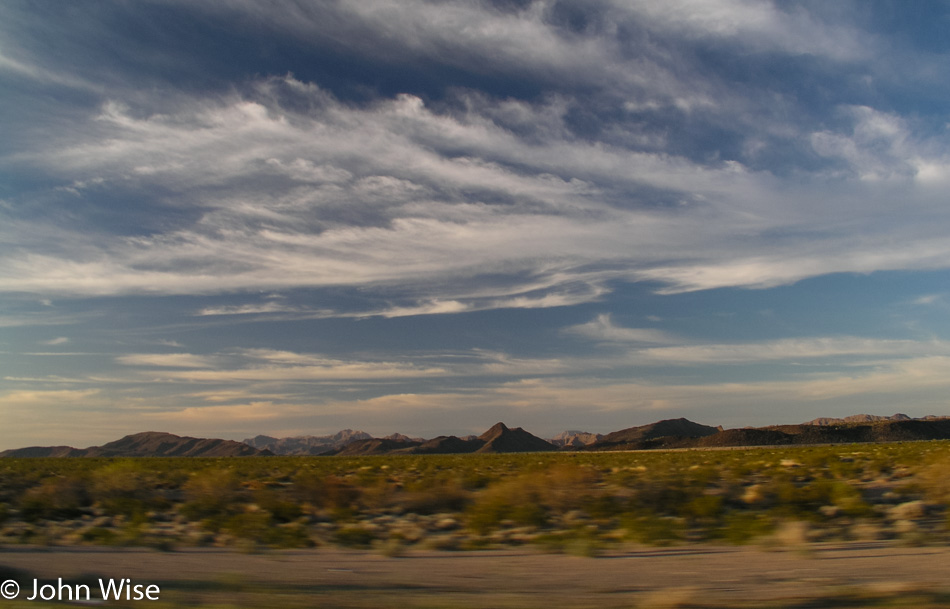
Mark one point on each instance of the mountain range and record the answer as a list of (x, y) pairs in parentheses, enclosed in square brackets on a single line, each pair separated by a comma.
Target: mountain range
[(147, 444), (666, 434)]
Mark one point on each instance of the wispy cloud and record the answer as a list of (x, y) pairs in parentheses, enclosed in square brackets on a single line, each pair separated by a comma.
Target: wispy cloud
[(474, 215), (257, 365), (759, 26), (255, 412), (167, 360), (37, 319), (61, 340), (658, 347), (30, 397), (603, 329), (250, 309), (929, 299), (795, 349)]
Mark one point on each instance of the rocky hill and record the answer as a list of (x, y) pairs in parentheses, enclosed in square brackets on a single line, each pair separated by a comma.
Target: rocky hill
[(146, 444), (501, 439), (669, 433), (448, 445), (44, 451)]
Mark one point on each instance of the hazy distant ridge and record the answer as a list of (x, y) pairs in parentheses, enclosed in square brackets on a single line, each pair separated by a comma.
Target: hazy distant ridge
[(575, 439), (307, 445), (869, 418)]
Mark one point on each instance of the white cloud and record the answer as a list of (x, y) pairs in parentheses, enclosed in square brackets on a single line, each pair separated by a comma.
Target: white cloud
[(794, 349), (250, 309), (650, 346), (428, 212), (253, 412), (259, 365), (467, 204), (36, 319), (28, 398), (603, 329), (61, 340), (761, 25), (31, 70), (167, 360), (432, 307)]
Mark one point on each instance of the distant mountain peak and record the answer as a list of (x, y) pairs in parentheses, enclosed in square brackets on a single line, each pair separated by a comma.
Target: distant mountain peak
[(681, 428), (494, 431), (501, 439)]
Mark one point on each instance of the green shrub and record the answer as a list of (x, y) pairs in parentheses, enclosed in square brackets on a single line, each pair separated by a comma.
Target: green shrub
[(331, 492), (743, 527), (354, 536), (281, 510), (578, 542), (100, 536), (703, 507), (211, 493), (849, 500), (122, 488), (56, 498), (933, 479), (444, 498), (516, 500), (531, 499), (653, 530), (260, 529)]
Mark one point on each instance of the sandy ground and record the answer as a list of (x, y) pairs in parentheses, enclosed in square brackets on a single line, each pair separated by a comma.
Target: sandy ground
[(719, 576)]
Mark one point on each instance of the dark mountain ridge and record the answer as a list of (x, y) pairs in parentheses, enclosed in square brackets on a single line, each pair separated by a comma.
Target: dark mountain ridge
[(662, 433), (498, 439), (845, 433), (146, 444), (681, 433)]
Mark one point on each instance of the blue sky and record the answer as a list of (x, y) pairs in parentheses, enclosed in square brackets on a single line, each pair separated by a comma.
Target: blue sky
[(232, 217)]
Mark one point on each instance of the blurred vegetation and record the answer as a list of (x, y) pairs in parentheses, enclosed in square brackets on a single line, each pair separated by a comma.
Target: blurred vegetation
[(582, 503)]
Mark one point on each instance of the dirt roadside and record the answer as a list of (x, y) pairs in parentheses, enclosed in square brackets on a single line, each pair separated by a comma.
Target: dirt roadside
[(704, 575)]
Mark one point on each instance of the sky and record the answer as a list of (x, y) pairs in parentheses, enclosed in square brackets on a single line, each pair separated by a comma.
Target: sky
[(228, 218)]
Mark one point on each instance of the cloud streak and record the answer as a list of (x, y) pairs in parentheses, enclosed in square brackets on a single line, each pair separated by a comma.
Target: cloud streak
[(474, 215)]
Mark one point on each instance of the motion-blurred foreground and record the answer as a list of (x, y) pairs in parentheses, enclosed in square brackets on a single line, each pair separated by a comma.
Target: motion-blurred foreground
[(684, 528)]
